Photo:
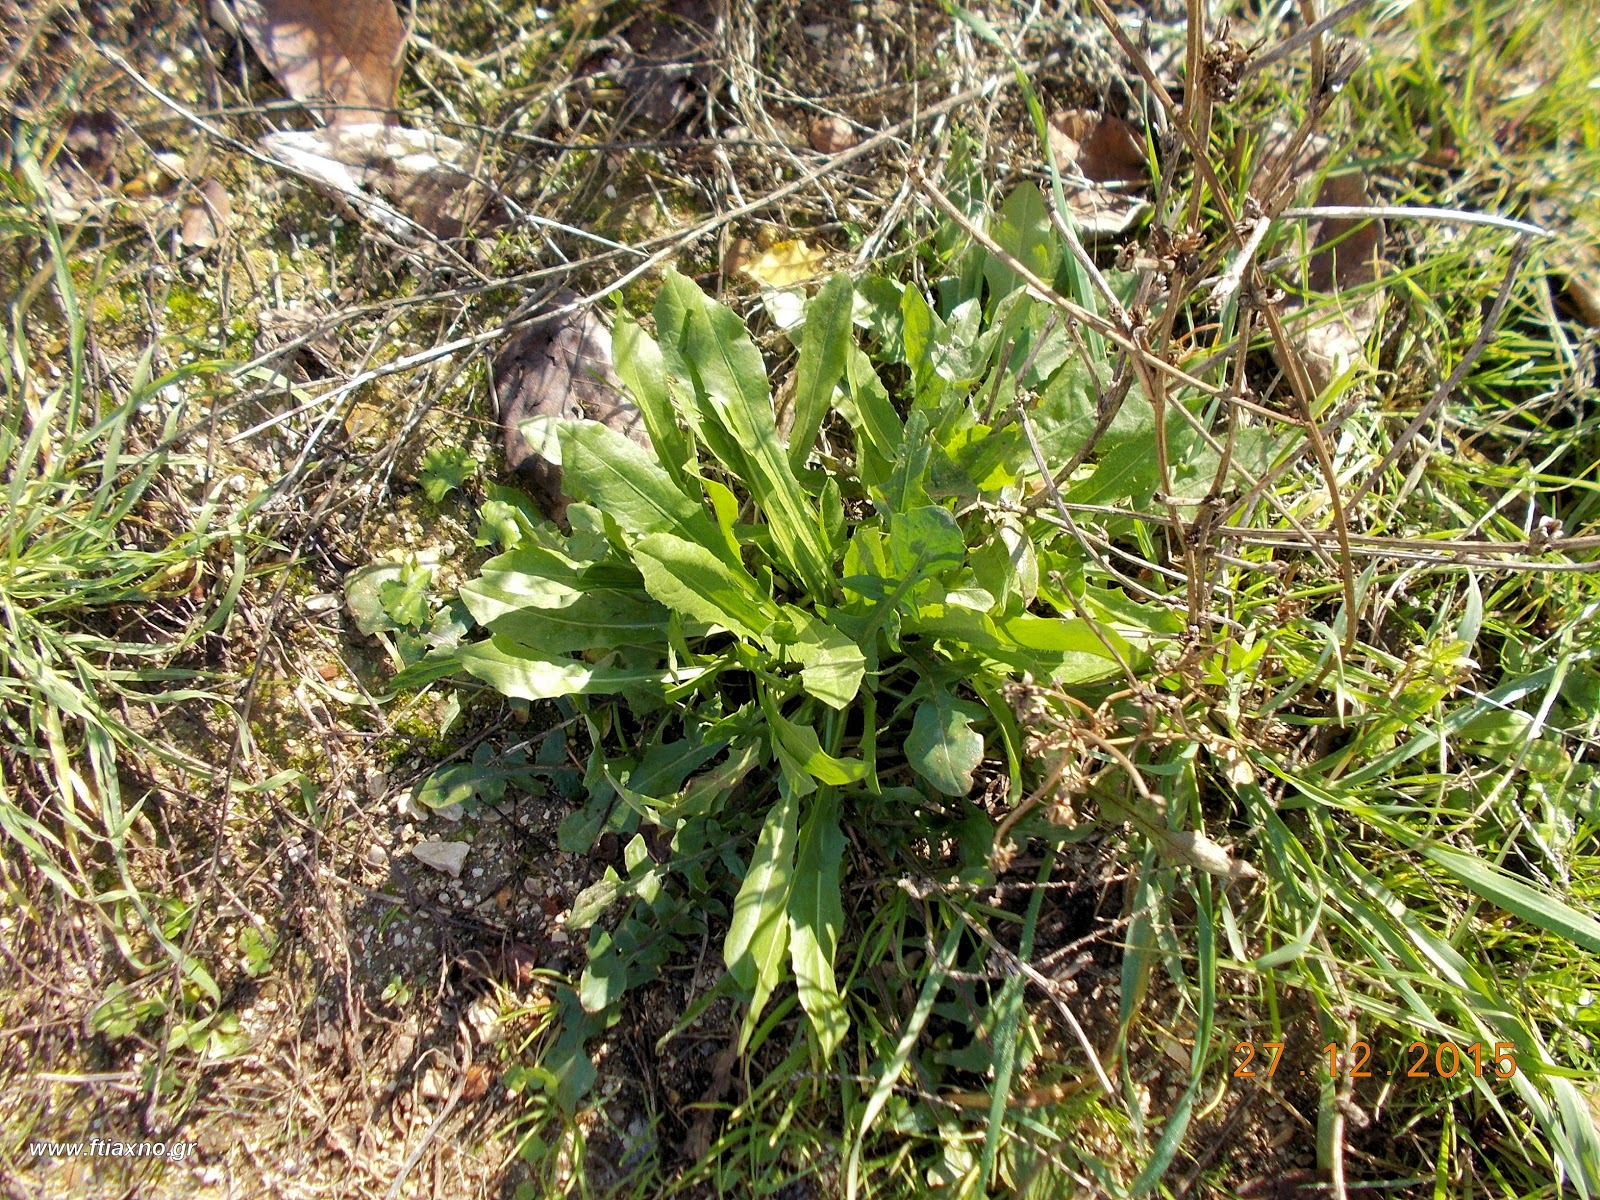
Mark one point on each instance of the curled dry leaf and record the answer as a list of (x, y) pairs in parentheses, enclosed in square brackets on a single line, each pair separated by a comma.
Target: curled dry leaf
[(740, 253), (1099, 147), (1099, 157), (386, 171), (346, 53), (205, 219), (559, 368), (833, 135)]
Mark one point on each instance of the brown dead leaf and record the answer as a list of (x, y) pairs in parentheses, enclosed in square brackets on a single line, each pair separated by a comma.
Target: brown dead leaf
[(1102, 155), (1346, 249), (476, 1084), (697, 1143), (833, 135), (345, 52), (1111, 152), (206, 219), (559, 368)]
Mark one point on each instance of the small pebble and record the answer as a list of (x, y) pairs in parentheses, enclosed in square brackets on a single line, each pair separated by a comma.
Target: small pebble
[(406, 804), (376, 856), (832, 135)]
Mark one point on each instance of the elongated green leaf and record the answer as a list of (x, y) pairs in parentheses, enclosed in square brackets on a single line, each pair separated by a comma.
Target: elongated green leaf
[(605, 469), (532, 576), (924, 335), (526, 674), (1510, 893), (708, 342), (910, 1034), (943, 747), (823, 354), (690, 579), (758, 935), (599, 620), (833, 665), (642, 368), (606, 976), (1066, 634), (1488, 1012), (816, 915), (1139, 959), (704, 791), (866, 406), (1007, 1011)]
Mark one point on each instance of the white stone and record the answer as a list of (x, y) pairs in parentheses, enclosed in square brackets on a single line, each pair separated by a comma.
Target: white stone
[(442, 856)]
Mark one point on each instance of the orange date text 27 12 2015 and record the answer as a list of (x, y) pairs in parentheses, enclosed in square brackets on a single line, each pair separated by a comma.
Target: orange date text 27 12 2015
[(1422, 1060)]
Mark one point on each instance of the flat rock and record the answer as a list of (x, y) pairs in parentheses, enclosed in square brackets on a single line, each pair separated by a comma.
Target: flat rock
[(448, 857)]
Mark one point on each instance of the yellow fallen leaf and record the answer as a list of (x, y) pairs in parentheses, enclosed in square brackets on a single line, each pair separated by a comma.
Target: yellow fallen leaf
[(785, 264)]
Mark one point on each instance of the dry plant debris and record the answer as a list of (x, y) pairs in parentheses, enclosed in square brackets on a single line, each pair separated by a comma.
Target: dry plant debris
[(559, 367), (394, 175), (1099, 156), (341, 58), (205, 220)]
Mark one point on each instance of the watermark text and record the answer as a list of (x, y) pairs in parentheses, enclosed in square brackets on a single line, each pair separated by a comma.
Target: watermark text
[(108, 1148)]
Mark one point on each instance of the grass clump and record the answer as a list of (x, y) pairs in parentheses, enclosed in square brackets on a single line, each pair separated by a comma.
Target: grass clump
[(103, 563)]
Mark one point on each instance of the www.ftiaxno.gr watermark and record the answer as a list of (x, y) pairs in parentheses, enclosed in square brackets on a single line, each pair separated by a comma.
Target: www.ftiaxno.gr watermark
[(106, 1148)]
